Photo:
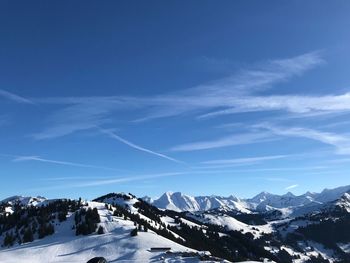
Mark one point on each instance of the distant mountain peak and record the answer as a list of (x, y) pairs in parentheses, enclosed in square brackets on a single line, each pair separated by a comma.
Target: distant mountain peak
[(289, 194), (261, 197), (178, 201), (287, 203)]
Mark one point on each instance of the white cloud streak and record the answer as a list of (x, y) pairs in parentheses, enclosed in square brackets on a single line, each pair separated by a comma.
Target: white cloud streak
[(257, 170), (291, 187), (310, 105), (231, 140), (233, 94), (14, 97), (246, 160), (109, 181), (137, 147), (125, 179), (275, 179), (340, 142), (39, 159)]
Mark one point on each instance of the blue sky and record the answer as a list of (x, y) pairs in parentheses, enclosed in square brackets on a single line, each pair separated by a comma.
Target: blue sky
[(203, 97)]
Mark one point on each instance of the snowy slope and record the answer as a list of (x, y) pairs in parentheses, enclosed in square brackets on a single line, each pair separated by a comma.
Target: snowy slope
[(344, 202), (231, 223), (115, 245), (341, 204)]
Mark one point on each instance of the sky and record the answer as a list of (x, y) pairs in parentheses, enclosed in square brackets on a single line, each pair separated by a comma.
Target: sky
[(202, 97)]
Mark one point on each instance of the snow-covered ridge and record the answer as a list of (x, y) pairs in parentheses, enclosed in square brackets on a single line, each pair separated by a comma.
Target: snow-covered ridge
[(182, 202), (24, 200), (340, 204)]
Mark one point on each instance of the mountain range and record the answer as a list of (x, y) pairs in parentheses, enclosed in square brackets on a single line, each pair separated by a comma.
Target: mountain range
[(313, 227), (288, 204)]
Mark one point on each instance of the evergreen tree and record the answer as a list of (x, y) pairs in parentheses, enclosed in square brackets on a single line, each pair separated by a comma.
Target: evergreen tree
[(28, 235), (8, 240), (62, 216), (133, 232), (100, 230)]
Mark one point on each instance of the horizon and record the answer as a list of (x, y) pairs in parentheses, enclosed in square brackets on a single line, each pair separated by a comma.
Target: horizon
[(174, 192), (211, 99)]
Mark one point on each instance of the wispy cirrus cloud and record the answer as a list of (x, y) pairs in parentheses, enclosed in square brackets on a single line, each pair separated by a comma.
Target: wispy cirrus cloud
[(275, 179), (340, 141), (231, 140), (137, 147), (310, 105), (247, 160), (280, 169), (79, 114), (112, 181), (236, 92), (14, 97), (291, 187), (233, 94), (58, 162)]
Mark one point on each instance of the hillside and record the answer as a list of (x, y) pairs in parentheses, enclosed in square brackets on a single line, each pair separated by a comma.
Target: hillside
[(115, 244)]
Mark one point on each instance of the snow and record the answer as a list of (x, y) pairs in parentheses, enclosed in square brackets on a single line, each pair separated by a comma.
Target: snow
[(288, 204), (324, 252), (181, 202), (168, 220), (115, 245), (344, 247), (177, 202), (311, 249), (291, 226), (344, 202), (22, 200), (8, 210), (291, 205), (233, 224), (122, 202), (185, 260), (190, 223)]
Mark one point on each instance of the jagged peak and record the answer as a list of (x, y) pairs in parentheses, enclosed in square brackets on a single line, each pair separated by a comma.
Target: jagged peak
[(289, 194), (308, 193), (261, 195), (346, 197)]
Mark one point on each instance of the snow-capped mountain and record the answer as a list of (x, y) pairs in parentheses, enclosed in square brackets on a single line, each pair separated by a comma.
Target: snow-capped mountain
[(341, 204), (291, 205), (287, 204), (182, 202), (24, 200), (344, 202)]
